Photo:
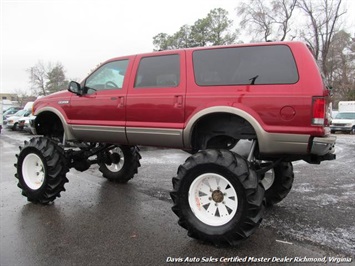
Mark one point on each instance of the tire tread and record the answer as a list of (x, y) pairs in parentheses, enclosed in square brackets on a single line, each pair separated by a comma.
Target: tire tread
[(130, 167), (254, 193), (54, 158)]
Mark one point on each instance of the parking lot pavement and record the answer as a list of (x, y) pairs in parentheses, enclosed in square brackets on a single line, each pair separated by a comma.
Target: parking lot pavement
[(97, 222)]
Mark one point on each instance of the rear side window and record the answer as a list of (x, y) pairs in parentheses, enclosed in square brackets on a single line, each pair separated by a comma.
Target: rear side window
[(158, 72), (245, 65)]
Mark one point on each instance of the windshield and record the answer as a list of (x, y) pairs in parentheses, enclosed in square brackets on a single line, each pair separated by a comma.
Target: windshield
[(345, 116), (20, 113)]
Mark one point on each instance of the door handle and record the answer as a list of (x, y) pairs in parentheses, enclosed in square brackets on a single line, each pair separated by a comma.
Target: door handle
[(178, 101), (120, 102)]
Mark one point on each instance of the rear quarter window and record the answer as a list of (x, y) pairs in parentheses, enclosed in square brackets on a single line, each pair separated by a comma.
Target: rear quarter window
[(245, 65)]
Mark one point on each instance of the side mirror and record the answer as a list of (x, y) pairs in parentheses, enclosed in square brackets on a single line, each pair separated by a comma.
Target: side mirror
[(74, 87)]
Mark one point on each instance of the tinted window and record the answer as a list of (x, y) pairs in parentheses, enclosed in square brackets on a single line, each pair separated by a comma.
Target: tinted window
[(245, 65), (108, 77), (158, 71)]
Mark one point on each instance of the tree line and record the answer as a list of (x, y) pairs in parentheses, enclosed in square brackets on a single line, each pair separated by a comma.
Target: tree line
[(214, 29), (319, 23)]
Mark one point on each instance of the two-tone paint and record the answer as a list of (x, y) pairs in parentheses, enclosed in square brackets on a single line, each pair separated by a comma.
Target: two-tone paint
[(280, 114)]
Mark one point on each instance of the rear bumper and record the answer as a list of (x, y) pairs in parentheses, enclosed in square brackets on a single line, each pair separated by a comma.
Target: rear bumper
[(297, 147), (323, 145)]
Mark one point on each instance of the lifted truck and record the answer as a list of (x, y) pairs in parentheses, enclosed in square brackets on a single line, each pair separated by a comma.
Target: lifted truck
[(201, 100)]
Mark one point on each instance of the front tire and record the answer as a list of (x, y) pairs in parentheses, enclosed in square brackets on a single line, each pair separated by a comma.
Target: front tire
[(217, 198), (41, 170), (120, 163)]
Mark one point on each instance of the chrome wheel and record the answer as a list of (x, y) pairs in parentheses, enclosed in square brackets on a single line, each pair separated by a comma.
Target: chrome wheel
[(117, 158), (268, 179)]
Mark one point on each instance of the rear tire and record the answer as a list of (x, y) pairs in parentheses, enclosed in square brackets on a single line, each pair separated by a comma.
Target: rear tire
[(278, 183), (41, 170), (217, 198), (123, 163)]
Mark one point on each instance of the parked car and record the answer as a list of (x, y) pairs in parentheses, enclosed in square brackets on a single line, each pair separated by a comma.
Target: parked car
[(10, 111), (12, 122), (344, 120), (24, 123)]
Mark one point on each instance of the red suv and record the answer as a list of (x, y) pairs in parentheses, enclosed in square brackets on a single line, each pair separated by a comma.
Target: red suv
[(204, 101)]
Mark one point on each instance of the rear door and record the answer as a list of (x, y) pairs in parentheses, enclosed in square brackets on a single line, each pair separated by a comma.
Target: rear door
[(156, 99)]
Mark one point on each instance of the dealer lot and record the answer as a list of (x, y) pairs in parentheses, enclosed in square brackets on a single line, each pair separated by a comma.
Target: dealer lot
[(97, 222)]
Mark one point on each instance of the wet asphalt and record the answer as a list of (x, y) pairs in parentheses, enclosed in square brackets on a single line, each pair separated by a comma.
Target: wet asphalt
[(97, 222)]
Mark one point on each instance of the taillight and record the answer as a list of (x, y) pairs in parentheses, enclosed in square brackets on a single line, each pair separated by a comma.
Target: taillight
[(318, 111)]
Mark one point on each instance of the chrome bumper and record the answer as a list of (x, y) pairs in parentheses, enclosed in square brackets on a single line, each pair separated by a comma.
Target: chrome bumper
[(322, 146)]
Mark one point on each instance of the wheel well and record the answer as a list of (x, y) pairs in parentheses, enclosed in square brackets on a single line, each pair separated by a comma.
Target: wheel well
[(49, 124), (220, 131)]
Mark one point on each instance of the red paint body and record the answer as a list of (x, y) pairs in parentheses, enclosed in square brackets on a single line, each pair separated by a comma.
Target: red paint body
[(277, 108)]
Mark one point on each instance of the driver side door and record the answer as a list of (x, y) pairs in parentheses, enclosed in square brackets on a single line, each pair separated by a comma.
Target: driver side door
[(99, 114)]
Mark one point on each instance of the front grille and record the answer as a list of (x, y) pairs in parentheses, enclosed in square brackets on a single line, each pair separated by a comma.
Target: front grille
[(339, 125)]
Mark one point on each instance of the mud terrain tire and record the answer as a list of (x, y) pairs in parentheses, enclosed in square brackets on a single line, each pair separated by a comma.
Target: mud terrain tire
[(283, 180), (41, 170), (124, 163), (217, 198)]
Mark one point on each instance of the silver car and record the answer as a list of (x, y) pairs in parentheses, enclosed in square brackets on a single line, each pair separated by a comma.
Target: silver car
[(12, 122)]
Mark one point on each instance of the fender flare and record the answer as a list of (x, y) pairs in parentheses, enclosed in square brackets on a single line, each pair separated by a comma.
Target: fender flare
[(67, 130), (187, 133)]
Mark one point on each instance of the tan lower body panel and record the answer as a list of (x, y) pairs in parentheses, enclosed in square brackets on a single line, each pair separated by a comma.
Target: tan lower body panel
[(106, 134), (279, 143), (130, 136), (269, 143), (163, 137)]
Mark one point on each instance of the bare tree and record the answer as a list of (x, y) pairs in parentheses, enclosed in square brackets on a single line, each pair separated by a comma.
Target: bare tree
[(284, 10), (321, 29), (323, 22), (341, 66), (38, 78), (267, 20), (22, 95), (46, 79)]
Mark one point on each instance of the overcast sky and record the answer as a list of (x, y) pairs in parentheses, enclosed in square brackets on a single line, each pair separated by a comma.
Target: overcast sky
[(80, 34)]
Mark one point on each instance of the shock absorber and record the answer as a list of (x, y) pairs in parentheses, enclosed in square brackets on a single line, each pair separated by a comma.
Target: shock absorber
[(251, 156)]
